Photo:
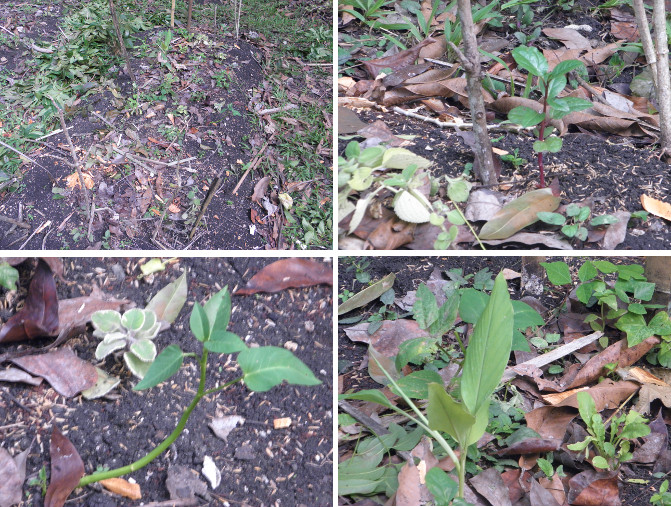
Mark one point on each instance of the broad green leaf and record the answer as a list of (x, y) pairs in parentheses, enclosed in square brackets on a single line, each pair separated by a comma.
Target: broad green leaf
[(371, 156), (551, 218), (525, 316), (137, 366), (8, 276), (441, 486), (105, 348), (416, 384), (425, 309), (525, 116), (224, 342), (218, 310), (660, 324), (168, 302), (352, 150), (607, 267), (637, 308), (145, 350), (603, 220), (488, 348), (599, 462), (586, 406), (133, 319), (200, 326), (565, 105), (520, 342), (644, 290), (472, 304), (552, 144), (570, 230), (458, 189), (557, 272), (368, 294), (359, 483), (415, 351), (557, 84), (165, 365), (266, 367), (106, 321), (400, 158), (409, 440), (519, 214), (447, 314), (635, 430), (371, 395), (587, 272), (565, 66), (635, 327), (530, 59), (446, 414)]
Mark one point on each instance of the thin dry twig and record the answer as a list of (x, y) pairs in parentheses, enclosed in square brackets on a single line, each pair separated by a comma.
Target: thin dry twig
[(37, 231), (256, 161)]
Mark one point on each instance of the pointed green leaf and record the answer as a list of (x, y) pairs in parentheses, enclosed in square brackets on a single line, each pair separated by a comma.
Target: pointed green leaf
[(557, 272), (416, 384), (224, 342), (530, 59), (165, 365), (200, 326), (266, 367), (371, 395), (488, 348), (218, 310), (446, 414), (168, 302), (425, 309), (525, 116)]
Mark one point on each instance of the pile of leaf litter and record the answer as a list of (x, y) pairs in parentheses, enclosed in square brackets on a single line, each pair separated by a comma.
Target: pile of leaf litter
[(611, 189), (197, 153), (541, 443), (58, 390)]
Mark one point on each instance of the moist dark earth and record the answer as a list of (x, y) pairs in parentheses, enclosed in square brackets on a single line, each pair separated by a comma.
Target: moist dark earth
[(144, 204), (410, 273), (607, 172), (278, 467)]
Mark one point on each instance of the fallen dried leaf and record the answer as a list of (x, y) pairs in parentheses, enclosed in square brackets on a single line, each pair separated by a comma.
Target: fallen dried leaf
[(656, 207), (13, 473), (66, 469), (287, 273), (122, 487)]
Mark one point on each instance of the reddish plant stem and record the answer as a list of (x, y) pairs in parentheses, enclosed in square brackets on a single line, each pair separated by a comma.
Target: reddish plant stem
[(541, 136)]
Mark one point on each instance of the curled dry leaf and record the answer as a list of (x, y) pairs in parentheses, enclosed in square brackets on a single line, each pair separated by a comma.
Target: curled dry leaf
[(388, 337), (532, 446), (66, 469), (594, 488), (64, 371), (76, 312), (397, 61), (72, 181), (122, 487), (39, 315), (13, 473), (260, 189), (287, 273), (656, 207)]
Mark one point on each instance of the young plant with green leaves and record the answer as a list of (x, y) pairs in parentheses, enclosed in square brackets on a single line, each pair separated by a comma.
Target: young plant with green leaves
[(262, 368), (573, 224), (622, 299), (663, 497), (9, 275), (549, 84), (134, 329), (464, 421), (616, 447)]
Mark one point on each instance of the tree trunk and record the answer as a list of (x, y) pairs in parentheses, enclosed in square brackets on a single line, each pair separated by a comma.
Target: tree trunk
[(188, 16), (115, 21), (663, 83), (484, 160), (658, 271)]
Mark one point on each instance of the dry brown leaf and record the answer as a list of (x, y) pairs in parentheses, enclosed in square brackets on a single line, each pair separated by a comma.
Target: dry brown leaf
[(409, 490), (650, 393), (64, 371), (260, 189), (557, 398), (594, 488), (656, 207), (554, 56), (554, 486), (122, 487), (617, 232), (570, 37), (13, 473), (390, 235), (72, 181), (397, 61), (491, 485), (624, 30), (541, 496), (76, 312), (640, 375), (285, 273), (388, 337), (550, 422), (67, 468), (599, 55)]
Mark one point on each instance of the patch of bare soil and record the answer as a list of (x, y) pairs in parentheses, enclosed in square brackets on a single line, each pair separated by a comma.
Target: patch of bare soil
[(259, 464)]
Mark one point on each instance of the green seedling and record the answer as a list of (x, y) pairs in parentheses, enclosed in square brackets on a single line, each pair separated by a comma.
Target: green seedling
[(573, 224), (134, 329), (624, 301), (663, 497), (486, 357), (614, 449), (8, 276), (40, 480), (548, 469), (550, 84), (262, 368), (514, 159)]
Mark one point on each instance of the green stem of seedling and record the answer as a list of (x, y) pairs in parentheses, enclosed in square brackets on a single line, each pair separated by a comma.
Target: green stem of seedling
[(469, 226), (163, 446)]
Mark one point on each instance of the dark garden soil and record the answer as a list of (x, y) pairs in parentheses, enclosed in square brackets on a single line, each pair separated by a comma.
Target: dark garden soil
[(410, 273), (259, 465), (181, 136), (607, 172)]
